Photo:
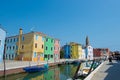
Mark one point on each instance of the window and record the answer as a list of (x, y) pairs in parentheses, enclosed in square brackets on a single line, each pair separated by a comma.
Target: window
[(10, 47), (7, 47), (14, 39), (12, 56), (51, 48), (42, 46), (22, 46), (51, 40), (13, 47), (46, 39), (35, 45), (11, 40), (0, 42), (46, 48), (8, 40), (51, 56), (45, 56)]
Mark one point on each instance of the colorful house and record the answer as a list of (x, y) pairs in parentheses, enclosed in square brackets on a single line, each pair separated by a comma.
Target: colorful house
[(48, 48), (2, 42), (11, 47), (67, 51), (76, 50), (56, 50), (89, 52)]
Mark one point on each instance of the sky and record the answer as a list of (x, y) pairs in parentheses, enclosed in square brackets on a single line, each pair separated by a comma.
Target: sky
[(67, 20)]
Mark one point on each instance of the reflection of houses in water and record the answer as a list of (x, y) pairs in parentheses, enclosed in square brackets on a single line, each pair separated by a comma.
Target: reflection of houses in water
[(34, 76), (49, 75), (67, 71), (52, 74)]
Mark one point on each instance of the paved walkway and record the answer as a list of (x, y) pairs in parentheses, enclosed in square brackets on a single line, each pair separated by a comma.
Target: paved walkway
[(20, 64), (108, 71)]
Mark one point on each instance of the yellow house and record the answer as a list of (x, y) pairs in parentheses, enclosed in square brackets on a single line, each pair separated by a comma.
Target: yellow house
[(30, 46), (76, 50), (80, 51)]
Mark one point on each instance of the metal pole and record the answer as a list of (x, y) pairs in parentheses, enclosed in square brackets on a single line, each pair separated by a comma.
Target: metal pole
[(4, 61)]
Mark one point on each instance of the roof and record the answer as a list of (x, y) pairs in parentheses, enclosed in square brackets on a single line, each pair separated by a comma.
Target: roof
[(2, 28)]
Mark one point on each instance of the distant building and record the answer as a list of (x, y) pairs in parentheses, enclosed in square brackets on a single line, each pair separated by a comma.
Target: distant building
[(101, 52), (33, 46), (88, 50), (76, 50), (2, 42), (56, 49)]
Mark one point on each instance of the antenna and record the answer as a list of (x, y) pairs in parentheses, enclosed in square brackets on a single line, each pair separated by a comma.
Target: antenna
[(32, 29)]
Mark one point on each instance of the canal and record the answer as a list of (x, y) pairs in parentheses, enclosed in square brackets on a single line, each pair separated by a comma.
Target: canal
[(62, 72)]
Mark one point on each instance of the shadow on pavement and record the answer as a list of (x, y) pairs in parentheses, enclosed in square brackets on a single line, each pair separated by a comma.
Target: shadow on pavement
[(113, 71)]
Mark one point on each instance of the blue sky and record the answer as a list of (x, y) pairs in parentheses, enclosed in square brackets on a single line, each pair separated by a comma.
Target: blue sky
[(68, 20)]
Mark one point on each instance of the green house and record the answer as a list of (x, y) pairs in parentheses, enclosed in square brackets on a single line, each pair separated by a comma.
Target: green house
[(48, 48)]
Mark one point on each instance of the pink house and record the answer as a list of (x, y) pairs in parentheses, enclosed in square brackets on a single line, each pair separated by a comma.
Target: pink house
[(56, 50)]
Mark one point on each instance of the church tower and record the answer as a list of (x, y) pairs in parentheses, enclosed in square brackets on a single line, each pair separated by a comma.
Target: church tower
[(87, 41)]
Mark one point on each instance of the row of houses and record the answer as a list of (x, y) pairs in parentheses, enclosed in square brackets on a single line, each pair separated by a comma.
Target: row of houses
[(34, 46), (77, 51)]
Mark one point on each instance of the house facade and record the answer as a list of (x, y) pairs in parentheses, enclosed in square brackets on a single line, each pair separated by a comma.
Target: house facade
[(67, 51), (56, 49), (89, 52), (11, 47), (76, 50), (2, 42), (48, 48)]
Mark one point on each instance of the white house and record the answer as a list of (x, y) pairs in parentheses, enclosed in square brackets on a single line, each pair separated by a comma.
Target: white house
[(2, 42), (89, 52)]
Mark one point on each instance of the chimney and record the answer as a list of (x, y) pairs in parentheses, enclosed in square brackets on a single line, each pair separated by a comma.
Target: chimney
[(20, 31)]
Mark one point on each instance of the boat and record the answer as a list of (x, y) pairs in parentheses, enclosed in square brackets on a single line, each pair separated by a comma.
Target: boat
[(35, 68)]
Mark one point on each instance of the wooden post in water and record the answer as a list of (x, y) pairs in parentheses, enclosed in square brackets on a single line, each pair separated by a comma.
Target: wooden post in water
[(91, 67), (76, 73)]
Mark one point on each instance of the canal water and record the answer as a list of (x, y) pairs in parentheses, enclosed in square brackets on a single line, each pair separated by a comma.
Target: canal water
[(62, 72)]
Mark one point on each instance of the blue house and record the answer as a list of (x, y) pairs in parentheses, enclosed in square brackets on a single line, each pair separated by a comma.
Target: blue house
[(11, 47), (2, 42), (67, 51)]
